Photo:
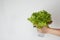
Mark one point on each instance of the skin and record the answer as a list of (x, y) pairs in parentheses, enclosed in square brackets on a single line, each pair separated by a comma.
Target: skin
[(47, 30)]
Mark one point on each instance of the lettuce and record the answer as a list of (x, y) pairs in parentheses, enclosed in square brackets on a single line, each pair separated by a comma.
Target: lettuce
[(40, 18)]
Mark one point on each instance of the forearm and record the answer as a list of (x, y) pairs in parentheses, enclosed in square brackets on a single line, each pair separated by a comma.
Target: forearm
[(54, 31)]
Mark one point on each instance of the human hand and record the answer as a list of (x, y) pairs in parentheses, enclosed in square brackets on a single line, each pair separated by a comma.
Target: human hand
[(43, 30), (47, 30)]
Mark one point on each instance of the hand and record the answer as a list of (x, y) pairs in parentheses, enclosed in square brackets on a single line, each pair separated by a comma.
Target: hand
[(49, 31), (43, 30)]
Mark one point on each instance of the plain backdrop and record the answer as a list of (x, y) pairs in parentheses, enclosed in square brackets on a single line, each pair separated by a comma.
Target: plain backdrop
[(13, 19)]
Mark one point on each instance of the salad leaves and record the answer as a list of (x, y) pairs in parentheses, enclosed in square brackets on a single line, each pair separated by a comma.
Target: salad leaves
[(40, 18)]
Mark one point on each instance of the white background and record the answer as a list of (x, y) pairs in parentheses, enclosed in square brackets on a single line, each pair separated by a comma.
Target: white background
[(13, 18)]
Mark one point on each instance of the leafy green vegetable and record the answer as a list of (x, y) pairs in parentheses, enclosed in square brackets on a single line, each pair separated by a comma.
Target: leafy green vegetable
[(41, 18)]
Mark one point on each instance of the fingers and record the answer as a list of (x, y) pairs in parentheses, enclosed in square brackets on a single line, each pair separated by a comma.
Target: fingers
[(39, 30), (43, 30)]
